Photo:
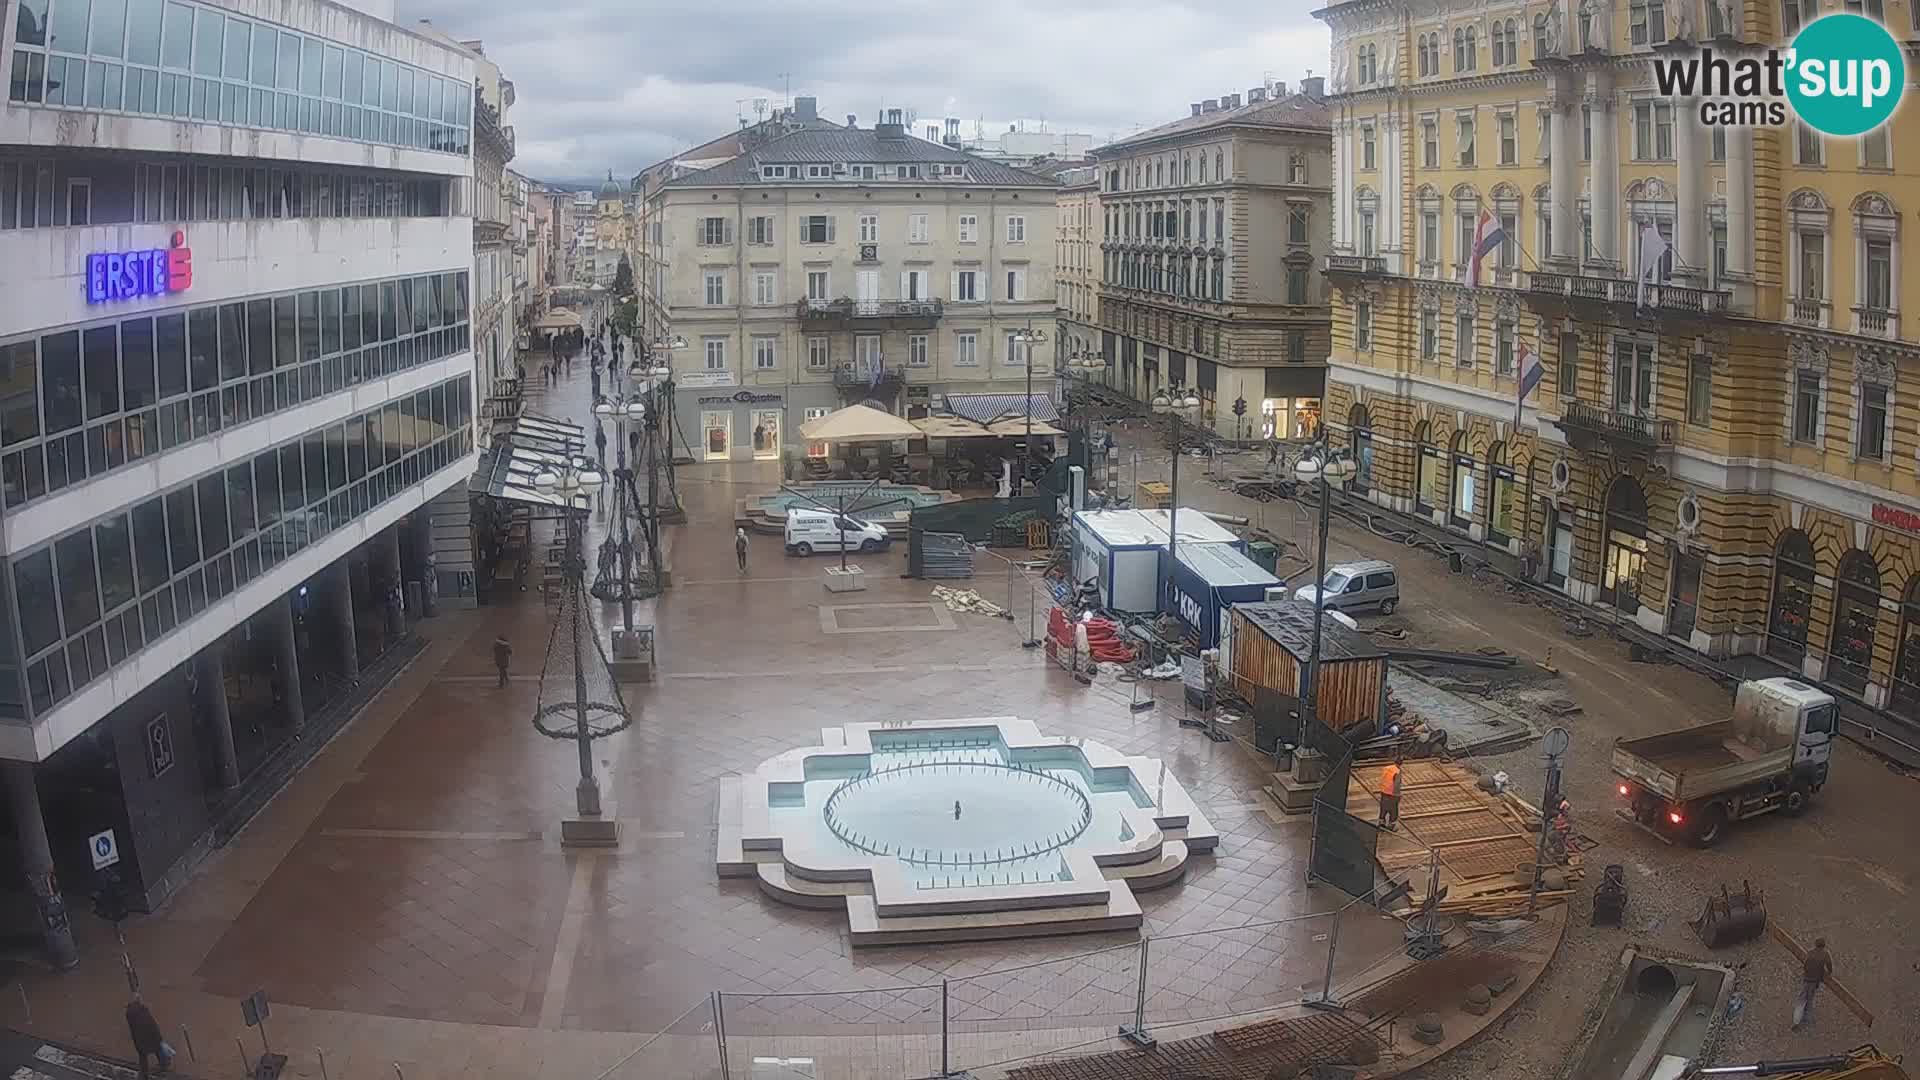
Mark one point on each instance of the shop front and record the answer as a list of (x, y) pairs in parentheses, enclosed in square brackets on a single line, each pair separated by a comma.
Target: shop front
[(1290, 401), (745, 425)]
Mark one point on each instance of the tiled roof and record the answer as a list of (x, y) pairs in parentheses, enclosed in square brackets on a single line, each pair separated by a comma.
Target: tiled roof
[(1295, 111), (856, 146)]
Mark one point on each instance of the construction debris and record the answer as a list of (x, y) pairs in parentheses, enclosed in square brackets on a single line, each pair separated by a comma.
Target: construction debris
[(966, 600), (1731, 918), (1441, 656)]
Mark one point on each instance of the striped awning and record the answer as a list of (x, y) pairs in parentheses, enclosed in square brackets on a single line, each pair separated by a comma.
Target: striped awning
[(986, 408)]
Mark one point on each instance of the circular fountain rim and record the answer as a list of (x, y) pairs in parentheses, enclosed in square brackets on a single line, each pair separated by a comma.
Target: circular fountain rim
[(919, 857)]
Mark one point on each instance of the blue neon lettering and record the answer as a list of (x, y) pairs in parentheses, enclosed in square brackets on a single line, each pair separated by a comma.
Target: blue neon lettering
[(127, 275)]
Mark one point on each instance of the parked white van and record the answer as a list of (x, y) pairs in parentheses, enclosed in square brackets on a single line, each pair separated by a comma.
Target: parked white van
[(809, 531)]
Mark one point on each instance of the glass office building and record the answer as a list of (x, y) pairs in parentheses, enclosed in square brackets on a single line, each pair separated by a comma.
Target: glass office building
[(235, 366)]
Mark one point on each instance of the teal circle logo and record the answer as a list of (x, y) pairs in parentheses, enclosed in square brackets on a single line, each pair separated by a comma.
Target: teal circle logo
[(1845, 74)]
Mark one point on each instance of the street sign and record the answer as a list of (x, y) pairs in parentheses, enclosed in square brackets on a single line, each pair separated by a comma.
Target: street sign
[(104, 849), (253, 1008)]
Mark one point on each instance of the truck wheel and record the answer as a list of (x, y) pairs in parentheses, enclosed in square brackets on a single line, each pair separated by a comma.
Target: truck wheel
[(1711, 826), (803, 549), (1798, 799)]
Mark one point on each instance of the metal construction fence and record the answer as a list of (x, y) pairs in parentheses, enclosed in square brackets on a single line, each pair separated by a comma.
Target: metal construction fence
[(988, 1022)]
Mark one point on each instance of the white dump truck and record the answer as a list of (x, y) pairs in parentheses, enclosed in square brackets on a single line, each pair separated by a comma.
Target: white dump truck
[(1771, 754)]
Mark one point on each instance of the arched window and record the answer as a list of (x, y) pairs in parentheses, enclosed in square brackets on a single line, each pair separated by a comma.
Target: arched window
[(1503, 502), (1465, 484), (1856, 617), (1540, 35), (1187, 170), (1624, 553), (1459, 48), (1420, 55), (1430, 479), (1360, 444), (1906, 654), (1792, 607)]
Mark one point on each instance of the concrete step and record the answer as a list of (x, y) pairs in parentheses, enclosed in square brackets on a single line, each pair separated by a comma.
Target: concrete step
[(1120, 912), (1169, 867), (774, 880)]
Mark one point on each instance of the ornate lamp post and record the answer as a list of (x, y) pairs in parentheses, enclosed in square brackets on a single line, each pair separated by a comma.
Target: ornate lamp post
[(1175, 406), (1026, 340), (1326, 467), (571, 484), (621, 409)]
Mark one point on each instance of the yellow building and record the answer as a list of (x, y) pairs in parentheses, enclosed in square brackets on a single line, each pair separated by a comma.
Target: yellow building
[(1079, 233), (1729, 457)]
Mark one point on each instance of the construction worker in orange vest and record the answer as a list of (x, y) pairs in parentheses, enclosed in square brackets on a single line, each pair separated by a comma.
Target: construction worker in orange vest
[(1390, 794)]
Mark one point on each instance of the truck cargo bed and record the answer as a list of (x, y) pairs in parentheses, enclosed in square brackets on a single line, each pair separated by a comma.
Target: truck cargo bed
[(1694, 762)]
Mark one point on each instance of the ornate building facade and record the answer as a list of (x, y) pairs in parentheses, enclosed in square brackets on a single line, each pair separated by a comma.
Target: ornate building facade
[(1731, 456)]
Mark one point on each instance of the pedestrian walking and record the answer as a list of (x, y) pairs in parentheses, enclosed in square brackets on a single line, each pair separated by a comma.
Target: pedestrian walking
[(1390, 794), (502, 656), (147, 1040), (740, 548), (1814, 972)]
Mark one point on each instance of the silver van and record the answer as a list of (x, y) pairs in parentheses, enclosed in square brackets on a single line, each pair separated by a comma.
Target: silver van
[(1355, 586)]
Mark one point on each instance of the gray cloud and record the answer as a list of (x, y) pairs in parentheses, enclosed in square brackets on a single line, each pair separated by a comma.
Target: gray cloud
[(605, 85)]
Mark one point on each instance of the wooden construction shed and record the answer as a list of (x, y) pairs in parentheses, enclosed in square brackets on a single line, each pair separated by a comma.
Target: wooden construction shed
[(1268, 646)]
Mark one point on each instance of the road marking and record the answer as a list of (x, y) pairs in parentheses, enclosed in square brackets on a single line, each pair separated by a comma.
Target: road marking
[(560, 973), (426, 834)]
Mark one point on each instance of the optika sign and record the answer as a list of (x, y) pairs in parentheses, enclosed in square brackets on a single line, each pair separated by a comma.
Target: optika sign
[(128, 275), (1842, 76)]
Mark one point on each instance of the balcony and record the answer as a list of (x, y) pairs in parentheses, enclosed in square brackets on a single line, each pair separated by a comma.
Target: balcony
[(1873, 320), (873, 315), (857, 384), (1360, 265), (1808, 310), (1665, 299), (1590, 428)]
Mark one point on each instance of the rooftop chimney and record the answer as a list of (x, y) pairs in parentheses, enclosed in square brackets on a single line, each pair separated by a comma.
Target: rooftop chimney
[(933, 132), (1256, 95), (1231, 101), (1210, 105), (1314, 87), (953, 132), (806, 108), (1196, 108), (893, 126), (1279, 90), (853, 121)]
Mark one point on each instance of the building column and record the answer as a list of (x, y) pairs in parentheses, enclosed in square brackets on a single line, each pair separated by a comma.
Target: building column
[(1606, 175), (1342, 184), (1740, 201), (286, 654), (420, 541), (1390, 193), (36, 861), (386, 577), (1562, 173), (336, 609), (1690, 212), (212, 676)]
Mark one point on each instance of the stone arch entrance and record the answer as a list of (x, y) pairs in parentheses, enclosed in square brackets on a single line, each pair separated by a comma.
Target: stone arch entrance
[(1360, 443), (1792, 606), (1623, 549), (1856, 620), (1905, 693)]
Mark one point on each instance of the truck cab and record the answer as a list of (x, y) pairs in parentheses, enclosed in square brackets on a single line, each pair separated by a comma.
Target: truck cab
[(1772, 753)]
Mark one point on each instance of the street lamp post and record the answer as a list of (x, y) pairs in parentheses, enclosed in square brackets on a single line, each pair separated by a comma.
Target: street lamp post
[(1027, 339), (1327, 468), (1174, 406), (622, 409), (572, 483)]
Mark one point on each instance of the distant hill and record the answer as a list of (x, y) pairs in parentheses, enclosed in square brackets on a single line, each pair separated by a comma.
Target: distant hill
[(575, 184)]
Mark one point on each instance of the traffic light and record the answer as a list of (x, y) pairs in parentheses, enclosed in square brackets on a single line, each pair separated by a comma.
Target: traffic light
[(1239, 406)]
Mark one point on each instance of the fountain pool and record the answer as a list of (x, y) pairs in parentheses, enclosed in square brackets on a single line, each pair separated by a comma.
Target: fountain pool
[(934, 830)]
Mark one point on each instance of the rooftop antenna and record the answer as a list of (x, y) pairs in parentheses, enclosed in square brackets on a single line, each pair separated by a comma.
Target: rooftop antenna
[(786, 78), (759, 109)]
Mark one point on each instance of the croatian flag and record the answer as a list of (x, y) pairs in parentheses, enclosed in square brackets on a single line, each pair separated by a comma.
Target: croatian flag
[(1531, 371), (1487, 235)]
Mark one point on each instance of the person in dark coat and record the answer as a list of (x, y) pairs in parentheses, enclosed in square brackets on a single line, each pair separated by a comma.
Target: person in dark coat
[(147, 1040), (502, 656)]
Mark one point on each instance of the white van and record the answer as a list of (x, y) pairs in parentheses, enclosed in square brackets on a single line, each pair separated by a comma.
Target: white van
[(809, 531)]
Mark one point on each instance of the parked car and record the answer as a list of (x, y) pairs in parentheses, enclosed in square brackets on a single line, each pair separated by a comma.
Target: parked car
[(1356, 586), (809, 531)]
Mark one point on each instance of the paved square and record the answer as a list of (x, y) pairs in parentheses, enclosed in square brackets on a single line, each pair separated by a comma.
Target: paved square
[(884, 618)]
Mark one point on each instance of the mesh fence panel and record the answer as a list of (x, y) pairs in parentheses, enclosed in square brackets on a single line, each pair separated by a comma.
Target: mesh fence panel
[(689, 1048), (1039, 1008), (976, 519), (891, 1032), (1236, 970)]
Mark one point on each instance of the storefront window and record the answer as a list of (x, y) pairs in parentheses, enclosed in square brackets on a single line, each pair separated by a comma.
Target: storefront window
[(1360, 444), (1856, 615), (1430, 488), (1501, 518), (718, 427), (1626, 545), (1464, 484), (766, 434), (1906, 662), (1792, 597), (1306, 418), (1683, 610)]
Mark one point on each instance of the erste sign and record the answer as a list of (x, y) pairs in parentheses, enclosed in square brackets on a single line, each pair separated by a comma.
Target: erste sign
[(128, 275)]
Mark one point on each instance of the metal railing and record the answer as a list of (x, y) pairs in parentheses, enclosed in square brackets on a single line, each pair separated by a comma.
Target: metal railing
[(1356, 264), (1609, 290), (1875, 320), (869, 309), (1621, 426), (1808, 310)]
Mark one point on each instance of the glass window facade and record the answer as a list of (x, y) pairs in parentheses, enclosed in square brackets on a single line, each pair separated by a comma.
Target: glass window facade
[(174, 190), (99, 594), (81, 401), (186, 61)]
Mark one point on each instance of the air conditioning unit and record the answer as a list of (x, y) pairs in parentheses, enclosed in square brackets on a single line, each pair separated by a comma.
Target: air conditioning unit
[(1278, 592), (869, 252)]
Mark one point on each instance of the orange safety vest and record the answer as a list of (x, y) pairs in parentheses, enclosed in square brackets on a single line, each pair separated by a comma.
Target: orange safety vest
[(1390, 780)]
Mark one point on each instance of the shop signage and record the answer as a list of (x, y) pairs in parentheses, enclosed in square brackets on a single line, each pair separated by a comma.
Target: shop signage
[(129, 275), (744, 397), (700, 380), (1895, 518)]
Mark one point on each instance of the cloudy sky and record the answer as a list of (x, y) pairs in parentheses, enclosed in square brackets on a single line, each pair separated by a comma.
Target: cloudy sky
[(603, 84)]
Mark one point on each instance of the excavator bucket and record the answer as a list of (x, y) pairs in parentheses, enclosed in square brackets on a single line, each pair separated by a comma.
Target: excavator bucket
[(1731, 917)]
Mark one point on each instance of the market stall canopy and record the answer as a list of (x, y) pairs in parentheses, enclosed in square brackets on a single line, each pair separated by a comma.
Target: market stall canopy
[(1015, 427), (558, 319), (858, 423), (951, 427), (986, 408)]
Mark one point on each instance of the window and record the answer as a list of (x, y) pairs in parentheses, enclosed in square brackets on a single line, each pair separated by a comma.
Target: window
[(1633, 377), (1296, 167), (1509, 140), (970, 228), (1016, 284), (716, 287), (966, 349), (1568, 386), (966, 286), (1463, 339), (1296, 346), (1463, 252), (917, 350), (1717, 149), (1813, 265), (1874, 153), (765, 354), (1719, 241), (760, 230), (1586, 133), (819, 354), (869, 228), (1366, 146), (1699, 390), (1464, 136), (1296, 285), (1503, 343), (1363, 325), (1429, 334), (1368, 238), (817, 288), (1017, 350), (917, 231), (764, 293), (819, 172), (1647, 22), (1430, 237), (1808, 149), (1219, 221), (716, 352), (1653, 131), (1429, 144), (1540, 35), (816, 229), (1878, 293), (1806, 408), (1872, 441), (1016, 229), (716, 231)]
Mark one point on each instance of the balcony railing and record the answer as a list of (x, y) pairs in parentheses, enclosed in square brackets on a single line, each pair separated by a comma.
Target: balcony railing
[(1356, 264), (1808, 310), (1873, 320), (1587, 426), (858, 383), (880, 314), (1666, 298)]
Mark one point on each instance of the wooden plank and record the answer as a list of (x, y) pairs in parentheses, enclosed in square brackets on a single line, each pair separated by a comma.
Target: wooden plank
[(1799, 952)]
